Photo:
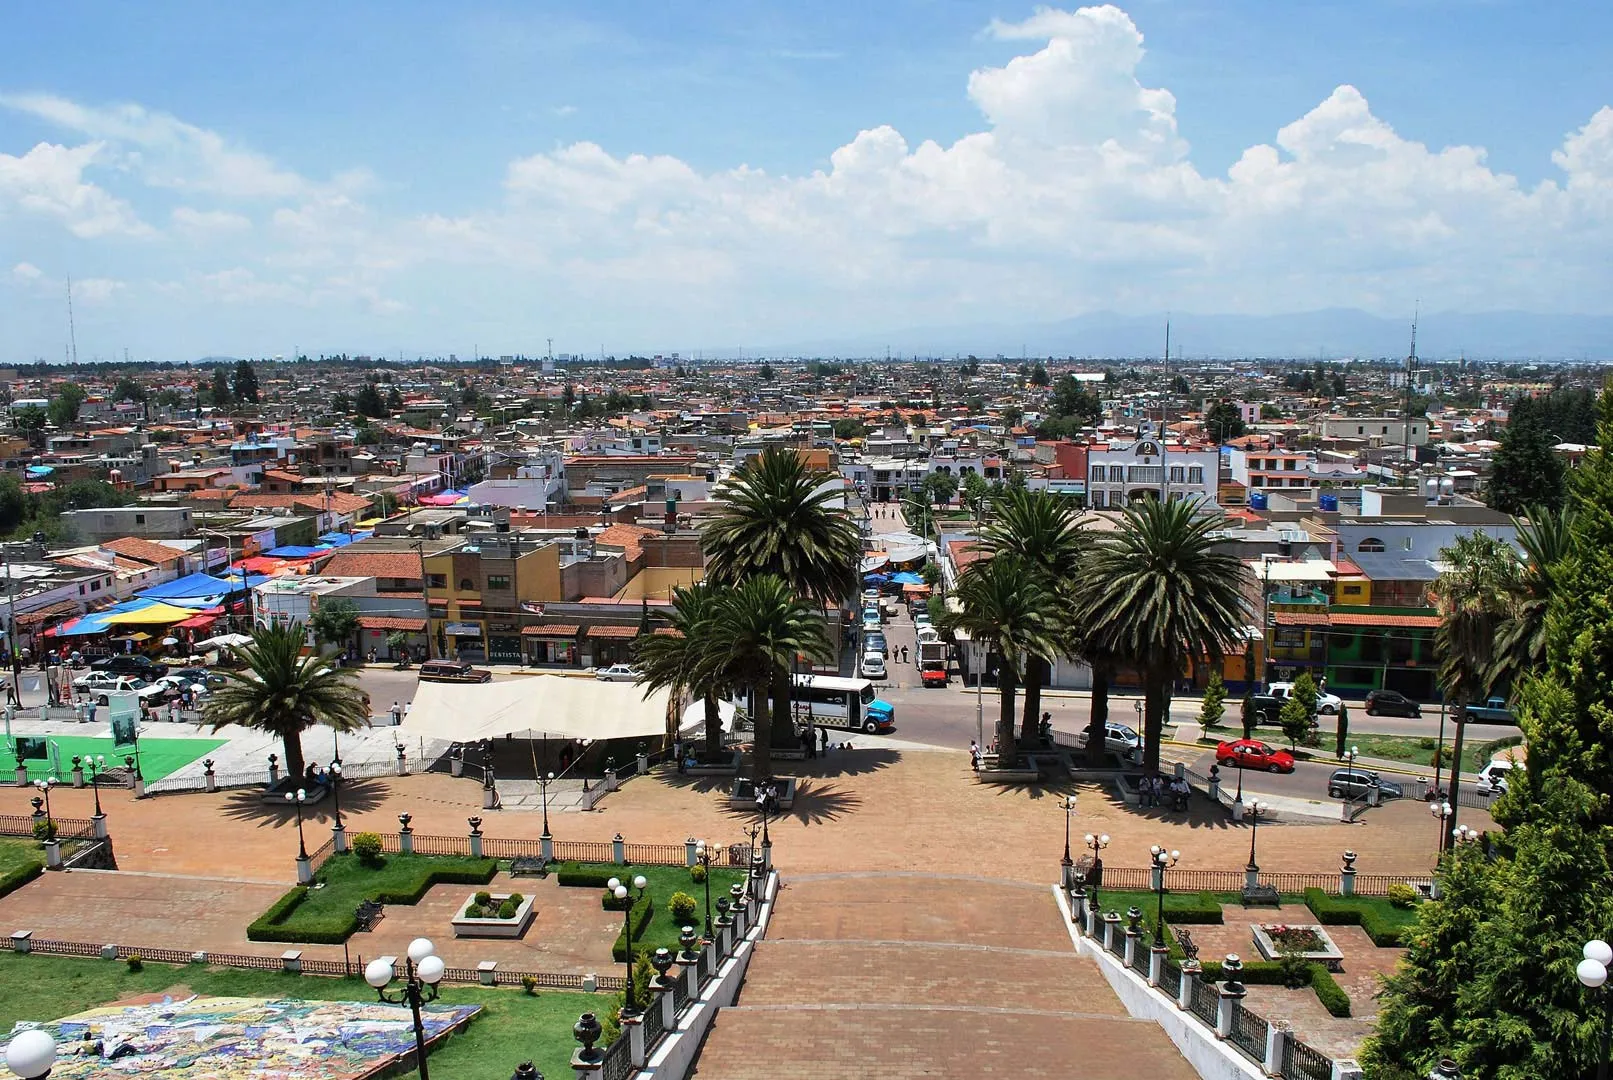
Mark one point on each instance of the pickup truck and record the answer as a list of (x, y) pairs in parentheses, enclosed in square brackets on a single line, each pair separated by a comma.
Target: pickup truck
[(1494, 711)]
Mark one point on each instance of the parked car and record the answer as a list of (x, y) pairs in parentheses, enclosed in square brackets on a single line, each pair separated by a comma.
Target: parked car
[(1263, 708), (131, 664), (453, 671), (871, 620), (1326, 704), (97, 681), (618, 673), (875, 642), (1391, 703), (873, 665), (1117, 739), (1253, 754), (921, 619), (1493, 778), (1355, 783), (1494, 711), (198, 676), (933, 675)]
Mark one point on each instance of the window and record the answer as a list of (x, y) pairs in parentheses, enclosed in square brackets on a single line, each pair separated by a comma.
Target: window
[(95, 586), (1359, 430), (437, 581), (467, 585), (1386, 429), (1178, 474), (1097, 500), (1289, 637), (1195, 474), (1097, 474), (1117, 474), (1351, 590), (1290, 464), (1370, 546), (1256, 480), (498, 582), (140, 519)]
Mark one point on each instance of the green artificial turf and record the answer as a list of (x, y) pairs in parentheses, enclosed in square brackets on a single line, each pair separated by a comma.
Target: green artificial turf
[(326, 914), (514, 1026), (662, 881), (158, 758)]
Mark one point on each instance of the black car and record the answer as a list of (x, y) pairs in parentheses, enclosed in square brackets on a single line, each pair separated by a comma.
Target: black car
[(1357, 783), (1391, 703), (138, 666)]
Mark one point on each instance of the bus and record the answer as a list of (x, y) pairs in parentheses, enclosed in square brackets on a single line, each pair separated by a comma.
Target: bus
[(848, 704)]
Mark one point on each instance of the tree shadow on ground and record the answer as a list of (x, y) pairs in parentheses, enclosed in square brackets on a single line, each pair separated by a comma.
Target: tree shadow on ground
[(358, 796), (817, 802), (855, 762)]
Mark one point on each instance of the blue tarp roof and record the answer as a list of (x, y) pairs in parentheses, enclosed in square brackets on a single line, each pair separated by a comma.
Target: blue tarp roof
[(193, 585), (906, 577), (341, 539), (295, 551), (98, 622)]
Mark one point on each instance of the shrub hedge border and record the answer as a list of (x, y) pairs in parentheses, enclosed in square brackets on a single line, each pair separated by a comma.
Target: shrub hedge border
[(19, 877), (1270, 973), (639, 919), (1338, 911), (267, 927)]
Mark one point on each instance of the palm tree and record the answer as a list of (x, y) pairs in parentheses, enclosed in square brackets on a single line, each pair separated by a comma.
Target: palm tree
[(1160, 596), (682, 662), (1475, 595), (756, 631), (1010, 617), (1546, 538), (1043, 531), (779, 517), (284, 693)]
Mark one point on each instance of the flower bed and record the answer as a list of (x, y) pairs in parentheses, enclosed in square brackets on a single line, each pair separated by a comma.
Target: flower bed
[(1309, 942), (487, 918)]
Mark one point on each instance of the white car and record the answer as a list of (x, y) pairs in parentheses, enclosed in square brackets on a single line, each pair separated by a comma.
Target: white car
[(1493, 778), (1117, 738), (873, 666), (101, 680), (618, 673), (871, 620), (1326, 704), (921, 618)]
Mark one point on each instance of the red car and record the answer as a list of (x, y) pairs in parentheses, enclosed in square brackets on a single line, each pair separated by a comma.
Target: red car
[(1253, 754), (933, 676)]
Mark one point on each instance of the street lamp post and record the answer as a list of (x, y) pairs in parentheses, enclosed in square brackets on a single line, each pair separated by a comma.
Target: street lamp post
[(44, 786), (1442, 812), (543, 786), (1349, 763), (702, 854), (1067, 863), (423, 970), (1251, 872), (1095, 875), (1592, 973), (619, 891), (1163, 861), (97, 763)]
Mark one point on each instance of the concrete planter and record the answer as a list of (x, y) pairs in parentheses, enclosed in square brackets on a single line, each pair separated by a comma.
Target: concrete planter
[(1329, 954), (494, 927)]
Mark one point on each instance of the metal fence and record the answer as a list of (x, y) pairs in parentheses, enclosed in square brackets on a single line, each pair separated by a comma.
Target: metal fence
[(1206, 1003), (1301, 1062), (66, 828), (618, 1063), (1249, 1033), (1133, 878), (654, 1024), (1140, 957)]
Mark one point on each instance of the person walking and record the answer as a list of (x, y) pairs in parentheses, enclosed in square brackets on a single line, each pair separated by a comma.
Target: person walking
[(397, 714), (974, 755), (824, 733)]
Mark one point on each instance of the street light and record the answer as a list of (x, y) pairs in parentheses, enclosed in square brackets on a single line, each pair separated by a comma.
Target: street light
[(1095, 875), (1349, 763), (423, 970), (1442, 812), (1163, 861), (702, 855), (1067, 862), (295, 798), (1252, 812), (1592, 972), (619, 891), (97, 764), (32, 1053), (335, 771), (45, 785), (543, 785)]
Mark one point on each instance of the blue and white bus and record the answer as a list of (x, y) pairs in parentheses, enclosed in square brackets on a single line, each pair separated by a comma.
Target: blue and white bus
[(846, 704)]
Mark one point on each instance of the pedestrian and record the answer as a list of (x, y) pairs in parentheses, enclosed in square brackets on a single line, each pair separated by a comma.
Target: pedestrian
[(407, 705), (173, 711), (824, 733), (974, 754), (677, 753), (397, 714)]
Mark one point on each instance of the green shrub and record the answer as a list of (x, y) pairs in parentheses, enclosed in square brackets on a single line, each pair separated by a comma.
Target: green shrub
[(134, 962), (483, 897), (17, 877), (1384, 921), (639, 919), (682, 906), (263, 927), (1402, 895), (1296, 970), (517, 899), (1329, 992), (529, 984), (367, 846), (697, 874), (475, 911), (44, 829), (1269, 973), (580, 875), (507, 909)]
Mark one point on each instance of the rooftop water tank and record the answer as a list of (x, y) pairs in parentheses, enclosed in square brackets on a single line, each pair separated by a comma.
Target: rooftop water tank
[(1328, 503), (1257, 500)]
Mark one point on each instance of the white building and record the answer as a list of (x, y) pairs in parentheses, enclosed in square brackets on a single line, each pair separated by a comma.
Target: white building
[(295, 599), (1118, 472)]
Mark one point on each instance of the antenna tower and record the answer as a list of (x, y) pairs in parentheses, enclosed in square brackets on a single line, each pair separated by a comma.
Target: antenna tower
[(72, 335)]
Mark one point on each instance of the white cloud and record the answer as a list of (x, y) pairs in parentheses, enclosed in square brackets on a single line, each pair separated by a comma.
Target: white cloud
[(26, 273), (49, 180), (208, 223), (96, 290)]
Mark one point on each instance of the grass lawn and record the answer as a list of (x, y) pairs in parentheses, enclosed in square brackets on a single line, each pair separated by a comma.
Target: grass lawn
[(662, 929), (399, 879), (514, 1027), (1380, 918), (15, 854), (158, 757), (1183, 905)]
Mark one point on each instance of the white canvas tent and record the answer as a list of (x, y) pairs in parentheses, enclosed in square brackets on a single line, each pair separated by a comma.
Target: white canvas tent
[(553, 704)]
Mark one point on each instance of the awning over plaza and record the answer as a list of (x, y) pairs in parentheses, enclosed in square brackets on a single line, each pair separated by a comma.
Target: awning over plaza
[(560, 706)]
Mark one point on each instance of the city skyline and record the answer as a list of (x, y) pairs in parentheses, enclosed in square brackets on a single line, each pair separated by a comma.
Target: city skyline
[(638, 180)]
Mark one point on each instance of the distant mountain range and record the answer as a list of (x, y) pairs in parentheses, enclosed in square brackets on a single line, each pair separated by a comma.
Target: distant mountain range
[(1329, 334)]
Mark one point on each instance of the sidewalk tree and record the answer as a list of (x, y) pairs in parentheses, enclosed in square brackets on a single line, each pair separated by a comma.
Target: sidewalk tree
[(334, 621), (283, 693), (1545, 537), (1214, 706), (976, 494), (1295, 720)]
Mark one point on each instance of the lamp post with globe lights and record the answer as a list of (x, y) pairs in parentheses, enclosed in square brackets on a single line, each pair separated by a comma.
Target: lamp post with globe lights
[(1163, 860), (31, 1054), (619, 891), (1095, 874), (44, 787), (423, 970), (1067, 863), (1442, 812), (1251, 814), (97, 763), (1349, 763), (702, 855), (305, 872), (1592, 972)]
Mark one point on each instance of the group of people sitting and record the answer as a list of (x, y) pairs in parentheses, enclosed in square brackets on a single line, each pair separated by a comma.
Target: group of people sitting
[(1156, 790)]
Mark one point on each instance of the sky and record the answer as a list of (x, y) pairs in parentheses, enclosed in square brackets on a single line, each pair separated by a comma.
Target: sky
[(402, 178)]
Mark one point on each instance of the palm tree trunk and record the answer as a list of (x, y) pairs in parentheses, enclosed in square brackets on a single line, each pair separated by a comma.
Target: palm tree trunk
[(1005, 718), (713, 731), (1154, 698), (1036, 671), (762, 755), (292, 745), (1456, 776), (1098, 725), (783, 694)]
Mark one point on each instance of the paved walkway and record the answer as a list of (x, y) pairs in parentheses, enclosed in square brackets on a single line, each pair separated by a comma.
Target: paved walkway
[(923, 975)]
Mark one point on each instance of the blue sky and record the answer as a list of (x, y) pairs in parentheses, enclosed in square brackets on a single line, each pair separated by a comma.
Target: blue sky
[(385, 177)]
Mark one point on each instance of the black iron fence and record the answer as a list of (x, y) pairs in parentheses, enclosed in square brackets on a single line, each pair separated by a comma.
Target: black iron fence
[(1301, 1062), (1133, 878), (66, 828), (1248, 1033)]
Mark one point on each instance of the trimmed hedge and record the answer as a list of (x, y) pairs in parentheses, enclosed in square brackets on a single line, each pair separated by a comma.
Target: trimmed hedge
[(1270, 973), (338, 926), (639, 919), (587, 876), (19, 876), (1195, 908), (263, 928), (1383, 923)]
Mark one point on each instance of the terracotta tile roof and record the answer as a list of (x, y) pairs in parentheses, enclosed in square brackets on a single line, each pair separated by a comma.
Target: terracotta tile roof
[(1300, 618), (631, 494), (1367, 618), (387, 622), (613, 632), (49, 612), (626, 537), (144, 550), (377, 564), (561, 630)]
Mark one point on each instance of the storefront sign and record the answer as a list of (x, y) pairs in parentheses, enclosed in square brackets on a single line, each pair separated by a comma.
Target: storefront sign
[(464, 629)]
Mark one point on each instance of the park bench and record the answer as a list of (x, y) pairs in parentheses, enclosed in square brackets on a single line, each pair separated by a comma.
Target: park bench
[(368, 913), (1261, 894), (1189, 949), (529, 866)]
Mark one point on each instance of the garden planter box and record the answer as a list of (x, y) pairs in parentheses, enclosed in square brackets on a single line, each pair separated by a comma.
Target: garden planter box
[(494, 927), (1325, 952)]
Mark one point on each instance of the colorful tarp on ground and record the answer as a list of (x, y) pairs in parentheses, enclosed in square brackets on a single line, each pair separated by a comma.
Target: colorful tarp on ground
[(242, 1038)]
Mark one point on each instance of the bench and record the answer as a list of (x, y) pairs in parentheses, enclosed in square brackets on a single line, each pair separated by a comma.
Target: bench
[(1189, 949), (529, 866), (368, 913), (1261, 894)]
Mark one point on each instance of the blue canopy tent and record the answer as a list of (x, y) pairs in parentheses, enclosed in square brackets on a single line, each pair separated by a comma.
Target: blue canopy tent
[(192, 585), (296, 551), (906, 577), (875, 579)]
